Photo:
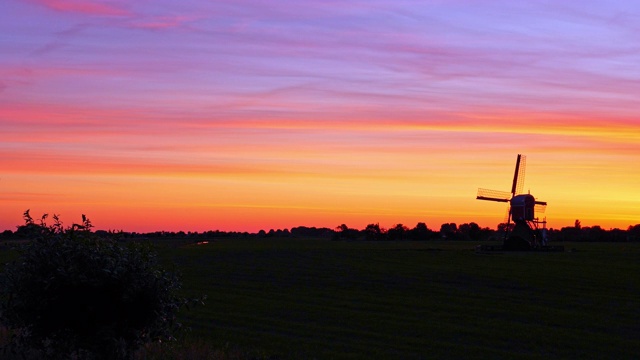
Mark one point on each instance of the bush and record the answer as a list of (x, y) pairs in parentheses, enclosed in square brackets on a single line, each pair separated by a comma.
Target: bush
[(72, 294)]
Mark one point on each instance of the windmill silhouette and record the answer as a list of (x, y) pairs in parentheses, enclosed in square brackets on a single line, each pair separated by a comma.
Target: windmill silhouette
[(526, 233)]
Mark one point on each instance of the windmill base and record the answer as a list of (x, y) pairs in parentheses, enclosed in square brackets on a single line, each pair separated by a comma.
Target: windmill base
[(516, 243), (522, 238)]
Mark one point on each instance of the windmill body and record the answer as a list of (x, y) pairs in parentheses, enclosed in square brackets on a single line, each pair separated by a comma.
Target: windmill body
[(528, 232)]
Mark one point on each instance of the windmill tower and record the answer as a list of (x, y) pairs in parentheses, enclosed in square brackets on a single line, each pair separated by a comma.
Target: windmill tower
[(527, 233)]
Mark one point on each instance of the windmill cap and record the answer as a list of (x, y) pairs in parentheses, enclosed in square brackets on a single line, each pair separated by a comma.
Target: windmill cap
[(523, 200)]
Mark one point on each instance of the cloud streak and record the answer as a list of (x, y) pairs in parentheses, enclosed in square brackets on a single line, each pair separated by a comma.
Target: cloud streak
[(89, 7)]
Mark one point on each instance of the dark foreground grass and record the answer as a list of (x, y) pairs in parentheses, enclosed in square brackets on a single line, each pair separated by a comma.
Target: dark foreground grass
[(304, 299), (293, 298)]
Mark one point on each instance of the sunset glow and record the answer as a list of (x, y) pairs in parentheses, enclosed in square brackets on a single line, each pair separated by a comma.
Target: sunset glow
[(248, 115)]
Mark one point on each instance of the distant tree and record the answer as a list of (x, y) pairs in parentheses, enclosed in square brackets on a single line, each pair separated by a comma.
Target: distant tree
[(471, 231), (373, 232), (397, 232), (343, 232), (421, 232), (577, 224), (503, 227), (617, 235), (571, 233), (593, 233), (303, 231), (633, 232), (449, 231)]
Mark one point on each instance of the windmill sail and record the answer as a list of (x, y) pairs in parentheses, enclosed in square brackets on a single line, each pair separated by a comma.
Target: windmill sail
[(540, 208), (518, 175), (493, 195)]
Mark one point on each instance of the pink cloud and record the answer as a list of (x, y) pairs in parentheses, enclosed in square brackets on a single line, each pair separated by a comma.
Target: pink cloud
[(162, 22), (84, 7)]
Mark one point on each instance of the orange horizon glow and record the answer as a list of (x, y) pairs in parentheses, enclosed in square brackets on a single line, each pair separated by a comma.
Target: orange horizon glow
[(269, 187)]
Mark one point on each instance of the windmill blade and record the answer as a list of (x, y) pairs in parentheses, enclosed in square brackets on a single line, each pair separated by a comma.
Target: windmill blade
[(518, 175), (520, 182), (493, 195), (540, 206)]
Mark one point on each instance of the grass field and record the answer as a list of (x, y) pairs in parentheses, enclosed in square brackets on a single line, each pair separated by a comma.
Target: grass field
[(292, 298), (305, 299)]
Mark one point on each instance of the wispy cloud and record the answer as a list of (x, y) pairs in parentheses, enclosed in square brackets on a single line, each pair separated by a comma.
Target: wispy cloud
[(161, 22), (88, 7)]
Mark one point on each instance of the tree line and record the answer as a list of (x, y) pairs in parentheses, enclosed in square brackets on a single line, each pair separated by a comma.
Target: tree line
[(372, 232), (472, 231)]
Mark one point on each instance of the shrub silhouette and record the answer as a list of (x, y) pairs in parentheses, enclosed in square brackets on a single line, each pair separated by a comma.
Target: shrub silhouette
[(72, 294)]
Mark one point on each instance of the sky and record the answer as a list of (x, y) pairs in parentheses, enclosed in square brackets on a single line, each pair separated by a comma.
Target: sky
[(243, 115)]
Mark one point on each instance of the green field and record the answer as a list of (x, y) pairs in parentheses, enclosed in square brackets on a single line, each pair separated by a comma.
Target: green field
[(302, 299), (292, 298)]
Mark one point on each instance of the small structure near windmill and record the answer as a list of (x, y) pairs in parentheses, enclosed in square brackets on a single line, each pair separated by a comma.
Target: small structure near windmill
[(528, 232)]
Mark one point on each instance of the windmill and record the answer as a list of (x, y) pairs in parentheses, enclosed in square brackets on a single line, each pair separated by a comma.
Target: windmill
[(526, 233)]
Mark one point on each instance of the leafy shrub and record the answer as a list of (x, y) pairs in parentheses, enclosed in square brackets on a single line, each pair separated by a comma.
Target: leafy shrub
[(72, 294)]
